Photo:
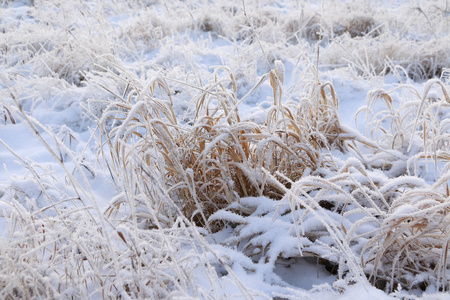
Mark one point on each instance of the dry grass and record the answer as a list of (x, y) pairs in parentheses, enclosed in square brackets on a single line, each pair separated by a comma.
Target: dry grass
[(220, 158), (402, 231), (366, 204), (206, 168), (412, 240)]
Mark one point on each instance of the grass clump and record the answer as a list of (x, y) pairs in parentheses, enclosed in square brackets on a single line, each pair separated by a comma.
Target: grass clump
[(220, 158), (412, 241)]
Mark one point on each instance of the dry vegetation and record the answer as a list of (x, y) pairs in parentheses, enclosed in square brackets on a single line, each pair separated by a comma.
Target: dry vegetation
[(207, 167), (220, 158), (185, 163)]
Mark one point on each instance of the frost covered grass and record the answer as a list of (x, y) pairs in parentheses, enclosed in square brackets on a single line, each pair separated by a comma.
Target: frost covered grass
[(202, 149), (219, 157)]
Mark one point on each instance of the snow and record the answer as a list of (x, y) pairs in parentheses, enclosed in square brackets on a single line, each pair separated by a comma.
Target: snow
[(303, 273), (71, 71)]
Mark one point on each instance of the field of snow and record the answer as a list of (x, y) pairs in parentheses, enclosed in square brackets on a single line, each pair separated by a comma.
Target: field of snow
[(224, 149)]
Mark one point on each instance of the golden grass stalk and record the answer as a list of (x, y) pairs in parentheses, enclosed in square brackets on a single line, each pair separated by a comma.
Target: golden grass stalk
[(220, 158)]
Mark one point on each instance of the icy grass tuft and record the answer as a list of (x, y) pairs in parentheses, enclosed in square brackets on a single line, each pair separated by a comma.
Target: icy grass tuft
[(158, 181)]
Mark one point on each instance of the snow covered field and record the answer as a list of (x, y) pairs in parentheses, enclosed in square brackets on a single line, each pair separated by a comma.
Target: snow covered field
[(219, 149)]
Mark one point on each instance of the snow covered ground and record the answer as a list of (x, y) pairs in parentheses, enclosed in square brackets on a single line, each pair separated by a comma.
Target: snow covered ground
[(224, 149)]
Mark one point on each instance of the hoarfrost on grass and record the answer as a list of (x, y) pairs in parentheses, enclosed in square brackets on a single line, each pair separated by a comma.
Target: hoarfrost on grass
[(186, 149)]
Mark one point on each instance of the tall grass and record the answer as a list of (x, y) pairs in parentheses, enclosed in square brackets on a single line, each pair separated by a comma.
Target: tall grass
[(185, 162), (219, 158)]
